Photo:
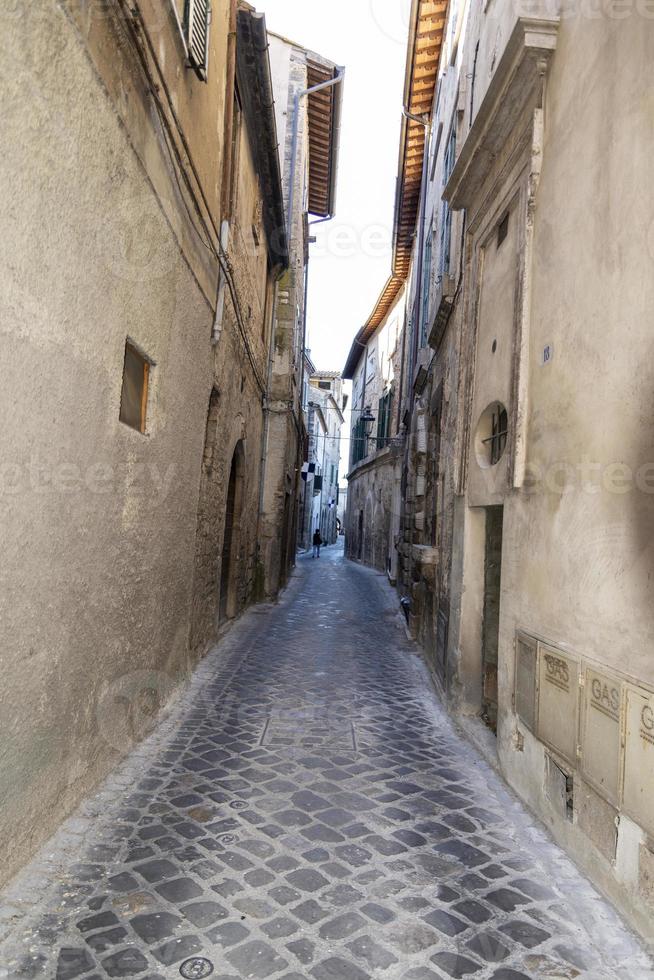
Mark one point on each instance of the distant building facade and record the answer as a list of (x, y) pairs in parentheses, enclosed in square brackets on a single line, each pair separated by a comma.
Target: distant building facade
[(325, 403), (374, 366), (308, 92)]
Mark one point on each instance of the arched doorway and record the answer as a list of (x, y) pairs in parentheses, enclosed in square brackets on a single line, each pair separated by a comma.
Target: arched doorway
[(228, 606)]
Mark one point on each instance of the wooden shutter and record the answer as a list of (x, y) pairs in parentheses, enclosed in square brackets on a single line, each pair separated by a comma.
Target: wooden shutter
[(197, 25)]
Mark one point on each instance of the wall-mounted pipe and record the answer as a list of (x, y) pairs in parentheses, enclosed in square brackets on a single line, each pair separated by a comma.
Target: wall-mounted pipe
[(303, 93)]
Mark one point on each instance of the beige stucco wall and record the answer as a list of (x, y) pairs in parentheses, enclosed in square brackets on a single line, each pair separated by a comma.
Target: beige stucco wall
[(578, 512), (593, 296), (98, 521), (578, 566), (112, 540)]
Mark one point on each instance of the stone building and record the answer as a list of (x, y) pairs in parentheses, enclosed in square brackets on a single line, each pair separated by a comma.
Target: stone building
[(252, 233), (308, 93), (525, 530), (374, 471), (145, 233), (324, 403), (327, 401)]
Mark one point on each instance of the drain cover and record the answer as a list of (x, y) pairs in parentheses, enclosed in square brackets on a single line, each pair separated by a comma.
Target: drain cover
[(196, 968)]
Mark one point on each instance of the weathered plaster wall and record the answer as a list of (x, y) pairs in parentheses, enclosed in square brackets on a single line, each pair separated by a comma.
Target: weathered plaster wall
[(576, 556), (98, 520), (112, 540), (238, 384), (370, 490), (579, 550)]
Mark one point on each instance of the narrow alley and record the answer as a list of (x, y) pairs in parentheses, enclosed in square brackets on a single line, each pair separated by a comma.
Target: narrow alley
[(308, 811)]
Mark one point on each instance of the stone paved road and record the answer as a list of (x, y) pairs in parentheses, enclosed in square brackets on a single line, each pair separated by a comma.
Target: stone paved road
[(309, 812)]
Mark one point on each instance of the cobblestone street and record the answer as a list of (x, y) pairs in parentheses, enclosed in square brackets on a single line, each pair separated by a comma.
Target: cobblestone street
[(308, 811)]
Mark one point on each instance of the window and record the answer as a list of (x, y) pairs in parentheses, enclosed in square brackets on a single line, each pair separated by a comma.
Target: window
[(491, 435), (197, 18), (426, 284), (446, 214), (325, 385), (134, 395), (384, 420), (499, 425), (359, 441), (372, 365)]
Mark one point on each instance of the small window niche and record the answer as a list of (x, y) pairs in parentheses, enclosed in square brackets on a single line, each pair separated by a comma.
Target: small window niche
[(491, 435), (503, 229), (134, 394)]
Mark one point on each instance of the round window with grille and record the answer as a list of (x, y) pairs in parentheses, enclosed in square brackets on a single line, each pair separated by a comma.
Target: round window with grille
[(491, 435)]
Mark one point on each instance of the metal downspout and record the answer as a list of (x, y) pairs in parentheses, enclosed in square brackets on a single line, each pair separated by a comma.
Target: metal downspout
[(266, 421), (296, 127)]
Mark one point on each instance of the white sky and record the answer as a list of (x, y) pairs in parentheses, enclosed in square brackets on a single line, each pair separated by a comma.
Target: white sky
[(351, 259)]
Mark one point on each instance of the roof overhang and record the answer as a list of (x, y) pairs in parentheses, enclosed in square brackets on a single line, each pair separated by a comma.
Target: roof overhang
[(383, 307), (256, 91), (324, 109), (423, 59), (335, 406)]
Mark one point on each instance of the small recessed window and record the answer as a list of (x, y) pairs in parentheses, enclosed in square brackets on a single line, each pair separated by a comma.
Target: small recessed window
[(325, 385), (502, 229), (491, 435), (134, 396)]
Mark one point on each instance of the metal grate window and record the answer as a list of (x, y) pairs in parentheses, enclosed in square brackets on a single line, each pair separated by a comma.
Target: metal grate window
[(499, 430), (197, 20)]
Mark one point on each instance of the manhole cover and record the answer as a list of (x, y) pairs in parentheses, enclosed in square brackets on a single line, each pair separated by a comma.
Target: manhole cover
[(238, 804), (228, 838), (196, 968)]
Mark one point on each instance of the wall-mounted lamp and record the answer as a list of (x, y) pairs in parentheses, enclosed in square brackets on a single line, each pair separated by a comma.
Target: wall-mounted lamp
[(368, 419)]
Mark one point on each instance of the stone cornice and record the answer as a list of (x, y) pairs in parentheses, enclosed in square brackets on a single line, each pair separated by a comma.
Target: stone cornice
[(516, 87), (378, 458)]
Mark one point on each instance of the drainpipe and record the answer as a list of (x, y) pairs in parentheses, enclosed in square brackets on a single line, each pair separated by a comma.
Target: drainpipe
[(266, 420), (217, 328), (303, 93)]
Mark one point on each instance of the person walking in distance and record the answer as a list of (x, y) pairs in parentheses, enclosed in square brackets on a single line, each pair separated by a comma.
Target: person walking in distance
[(317, 541)]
